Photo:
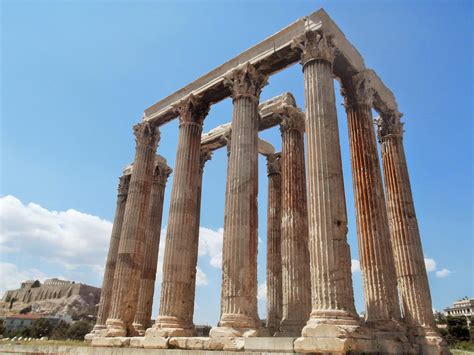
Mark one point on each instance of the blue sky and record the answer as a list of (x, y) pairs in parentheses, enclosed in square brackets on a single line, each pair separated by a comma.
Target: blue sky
[(76, 75)]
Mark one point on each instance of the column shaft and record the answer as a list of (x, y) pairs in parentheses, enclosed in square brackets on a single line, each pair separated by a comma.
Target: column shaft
[(107, 284), (131, 248), (294, 227), (239, 266), (408, 251), (274, 272), (179, 267), (142, 319), (375, 249)]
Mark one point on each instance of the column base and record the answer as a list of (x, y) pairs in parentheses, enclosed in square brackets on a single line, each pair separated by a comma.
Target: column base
[(433, 345), (290, 328), (99, 330), (168, 326), (115, 328), (139, 329), (335, 335)]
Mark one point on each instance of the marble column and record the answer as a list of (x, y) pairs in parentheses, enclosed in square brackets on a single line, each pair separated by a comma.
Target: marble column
[(131, 248), (107, 283), (239, 316), (408, 251), (294, 226), (142, 319), (274, 283), (333, 324), (179, 265), (375, 248)]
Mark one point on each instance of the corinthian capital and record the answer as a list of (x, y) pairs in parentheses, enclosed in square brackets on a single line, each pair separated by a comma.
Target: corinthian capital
[(357, 90), (292, 119), (206, 155), (192, 110), (124, 182), (273, 164), (315, 45), (146, 133), (246, 82), (161, 170), (389, 125)]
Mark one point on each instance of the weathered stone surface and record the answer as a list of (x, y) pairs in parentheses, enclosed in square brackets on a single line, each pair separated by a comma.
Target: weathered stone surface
[(110, 342), (294, 227), (375, 248), (136, 342), (274, 273), (142, 319), (270, 344), (239, 266), (407, 248), (189, 343), (155, 342), (131, 247), (179, 265)]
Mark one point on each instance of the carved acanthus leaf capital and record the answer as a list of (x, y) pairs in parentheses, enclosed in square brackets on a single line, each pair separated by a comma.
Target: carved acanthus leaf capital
[(246, 82), (147, 133), (225, 139), (124, 183), (357, 90), (315, 45), (273, 164), (389, 125), (292, 119), (161, 172), (192, 110), (206, 155)]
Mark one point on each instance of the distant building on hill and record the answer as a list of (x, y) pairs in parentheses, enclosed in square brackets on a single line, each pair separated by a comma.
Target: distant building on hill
[(463, 307), (53, 297)]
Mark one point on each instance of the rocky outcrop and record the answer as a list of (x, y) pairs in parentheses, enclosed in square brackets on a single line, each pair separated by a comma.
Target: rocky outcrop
[(52, 297)]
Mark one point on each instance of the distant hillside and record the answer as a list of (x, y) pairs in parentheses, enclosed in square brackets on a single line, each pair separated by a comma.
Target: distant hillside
[(52, 297)]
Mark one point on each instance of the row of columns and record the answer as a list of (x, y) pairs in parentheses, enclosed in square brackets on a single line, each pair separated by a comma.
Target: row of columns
[(307, 229)]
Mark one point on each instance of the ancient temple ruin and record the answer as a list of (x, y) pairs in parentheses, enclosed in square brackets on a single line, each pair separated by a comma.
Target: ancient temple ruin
[(310, 302)]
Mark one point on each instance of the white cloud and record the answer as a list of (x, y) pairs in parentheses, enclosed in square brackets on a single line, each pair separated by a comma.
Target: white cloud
[(11, 276), (355, 265), (70, 238), (430, 264), (262, 291), (201, 278), (442, 273), (210, 244), (432, 267)]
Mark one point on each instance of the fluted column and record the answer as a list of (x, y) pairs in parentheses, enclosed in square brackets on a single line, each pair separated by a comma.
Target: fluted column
[(333, 313), (107, 283), (142, 318), (294, 226), (375, 248), (131, 248), (179, 266), (274, 284), (239, 265), (408, 251)]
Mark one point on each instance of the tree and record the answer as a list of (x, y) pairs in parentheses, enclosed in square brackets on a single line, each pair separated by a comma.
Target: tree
[(25, 310), (79, 329), (60, 331), (41, 328), (440, 318), (458, 330)]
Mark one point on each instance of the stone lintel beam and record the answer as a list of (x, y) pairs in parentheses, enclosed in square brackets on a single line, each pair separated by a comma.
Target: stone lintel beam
[(270, 56), (270, 116)]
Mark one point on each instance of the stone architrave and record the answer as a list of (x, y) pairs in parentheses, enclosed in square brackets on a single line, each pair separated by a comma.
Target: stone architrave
[(132, 239), (294, 226), (142, 319), (239, 316), (333, 324), (382, 308), (179, 265), (409, 260), (107, 283), (274, 283)]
